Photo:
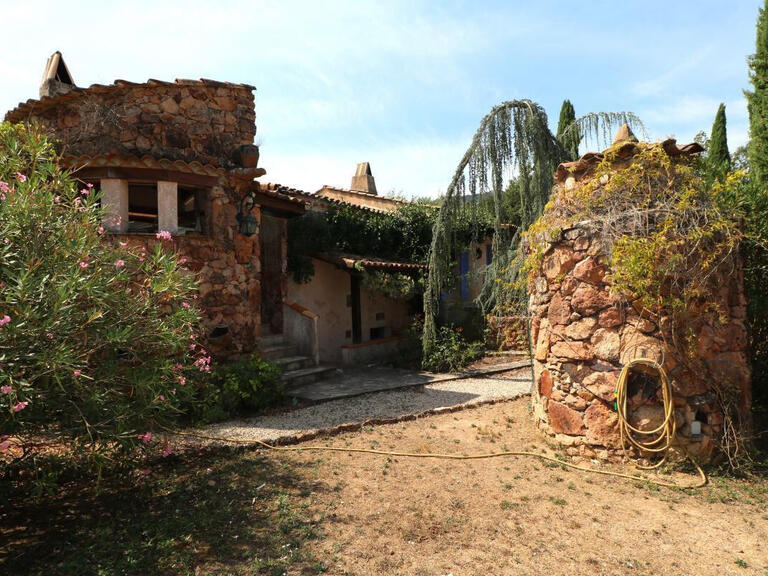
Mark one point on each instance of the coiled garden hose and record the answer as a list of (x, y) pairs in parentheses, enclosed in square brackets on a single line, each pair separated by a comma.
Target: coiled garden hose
[(658, 440)]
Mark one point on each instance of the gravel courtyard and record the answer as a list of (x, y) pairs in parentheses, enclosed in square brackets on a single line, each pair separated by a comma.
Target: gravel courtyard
[(377, 405)]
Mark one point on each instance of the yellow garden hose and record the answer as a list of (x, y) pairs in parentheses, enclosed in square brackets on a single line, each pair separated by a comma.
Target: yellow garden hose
[(702, 481), (659, 439)]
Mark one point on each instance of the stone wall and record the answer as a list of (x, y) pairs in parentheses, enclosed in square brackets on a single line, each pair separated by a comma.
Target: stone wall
[(201, 121), (583, 334), (208, 122), (227, 266)]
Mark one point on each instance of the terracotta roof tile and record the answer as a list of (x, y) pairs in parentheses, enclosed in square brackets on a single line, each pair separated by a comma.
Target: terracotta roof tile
[(280, 192), (352, 262), (624, 150), (146, 161)]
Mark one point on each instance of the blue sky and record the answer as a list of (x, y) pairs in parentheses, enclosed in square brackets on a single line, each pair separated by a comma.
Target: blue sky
[(402, 85)]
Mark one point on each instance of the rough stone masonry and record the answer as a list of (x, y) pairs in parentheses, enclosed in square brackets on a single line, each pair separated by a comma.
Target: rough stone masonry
[(583, 334)]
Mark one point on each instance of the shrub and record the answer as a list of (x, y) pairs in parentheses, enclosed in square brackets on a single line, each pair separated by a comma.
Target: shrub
[(249, 384), (451, 351), (97, 338)]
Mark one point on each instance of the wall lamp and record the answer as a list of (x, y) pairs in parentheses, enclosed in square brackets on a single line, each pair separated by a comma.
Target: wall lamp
[(248, 224)]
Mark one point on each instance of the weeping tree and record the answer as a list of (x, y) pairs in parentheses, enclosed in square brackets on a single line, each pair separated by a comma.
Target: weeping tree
[(513, 141)]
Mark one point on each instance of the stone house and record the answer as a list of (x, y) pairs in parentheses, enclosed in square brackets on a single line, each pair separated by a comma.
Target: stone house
[(179, 157)]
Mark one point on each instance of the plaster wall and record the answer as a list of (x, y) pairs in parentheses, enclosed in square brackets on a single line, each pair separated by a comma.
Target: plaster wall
[(326, 295)]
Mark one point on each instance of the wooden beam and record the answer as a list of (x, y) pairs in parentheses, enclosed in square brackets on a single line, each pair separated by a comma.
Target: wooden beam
[(146, 174)]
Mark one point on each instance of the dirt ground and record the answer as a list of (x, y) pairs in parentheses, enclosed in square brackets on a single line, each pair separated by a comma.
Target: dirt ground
[(388, 515), (208, 510)]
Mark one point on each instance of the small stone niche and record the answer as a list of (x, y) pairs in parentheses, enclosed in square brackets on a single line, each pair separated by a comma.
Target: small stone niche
[(583, 334)]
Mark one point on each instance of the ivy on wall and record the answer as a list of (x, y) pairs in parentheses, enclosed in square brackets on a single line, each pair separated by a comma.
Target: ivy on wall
[(401, 236)]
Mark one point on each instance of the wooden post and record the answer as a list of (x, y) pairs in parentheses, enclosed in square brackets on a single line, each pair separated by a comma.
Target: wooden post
[(357, 319)]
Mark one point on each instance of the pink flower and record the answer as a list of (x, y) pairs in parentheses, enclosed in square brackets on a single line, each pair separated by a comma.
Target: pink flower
[(6, 389), (177, 367), (203, 364), (77, 373), (6, 241), (123, 244), (77, 201), (20, 406), (163, 235), (83, 264), (20, 177), (4, 446), (167, 452), (120, 263), (101, 229), (173, 391), (161, 397), (146, 437), (182, 380), (185, 305), (4, 320), (4, 187), (57, 199), (85, 191), (49, 335)]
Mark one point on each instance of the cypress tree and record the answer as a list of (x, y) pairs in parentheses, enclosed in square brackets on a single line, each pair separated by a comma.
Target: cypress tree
[(569, 140), (757, 101), (719, 158)]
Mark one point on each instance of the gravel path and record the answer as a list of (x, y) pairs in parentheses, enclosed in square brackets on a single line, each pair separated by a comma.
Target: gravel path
[(388, 404)]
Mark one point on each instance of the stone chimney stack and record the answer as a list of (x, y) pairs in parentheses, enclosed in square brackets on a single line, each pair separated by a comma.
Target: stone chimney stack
[(56, 77), (363, 180)]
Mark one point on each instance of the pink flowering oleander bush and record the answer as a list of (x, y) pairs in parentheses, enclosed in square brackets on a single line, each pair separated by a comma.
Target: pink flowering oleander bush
[(97, 340)]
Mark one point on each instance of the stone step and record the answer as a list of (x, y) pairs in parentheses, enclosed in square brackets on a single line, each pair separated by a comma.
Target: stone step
[(307, 375), (291, 363), (272, 353), (272, 340)]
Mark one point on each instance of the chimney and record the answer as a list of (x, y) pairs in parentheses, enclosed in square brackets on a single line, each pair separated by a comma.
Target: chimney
[(56, 77), (363, 180)]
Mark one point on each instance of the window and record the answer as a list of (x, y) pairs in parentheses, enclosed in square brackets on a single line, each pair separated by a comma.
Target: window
[(142, 208), (190, 214)]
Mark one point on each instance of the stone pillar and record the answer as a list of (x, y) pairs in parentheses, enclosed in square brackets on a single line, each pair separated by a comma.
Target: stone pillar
[(114, 199), (167, 207)]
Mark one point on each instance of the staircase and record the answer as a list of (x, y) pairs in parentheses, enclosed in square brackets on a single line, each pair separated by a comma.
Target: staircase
[(297, 370)]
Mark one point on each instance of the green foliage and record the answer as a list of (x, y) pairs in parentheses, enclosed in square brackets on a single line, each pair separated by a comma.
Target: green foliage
[(570, 142), (245, 385), (392, 285), (751, 201), (98, 336), (757, 102), (451, 351), (748, 201), (719, 159), (402, 236)]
